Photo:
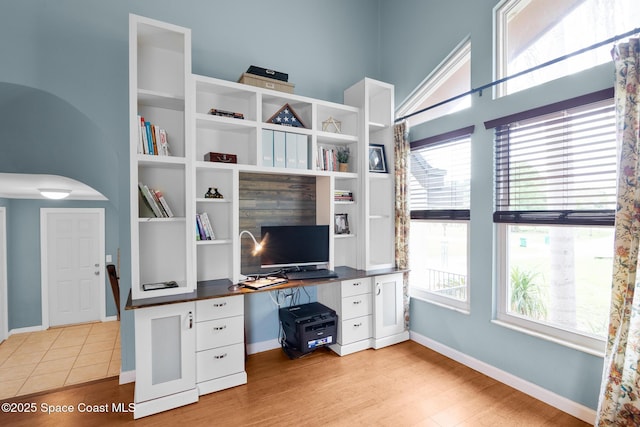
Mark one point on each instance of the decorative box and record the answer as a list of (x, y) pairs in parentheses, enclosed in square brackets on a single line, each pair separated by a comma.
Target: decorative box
[(265, 72), (221, 157), (267, 83)]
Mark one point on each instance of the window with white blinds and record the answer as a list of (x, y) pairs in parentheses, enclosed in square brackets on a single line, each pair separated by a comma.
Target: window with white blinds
[(440, 177), (558, 168)]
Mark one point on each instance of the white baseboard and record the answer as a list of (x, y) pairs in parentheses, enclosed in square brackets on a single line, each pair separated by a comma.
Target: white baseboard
[(259, 347), (25, 330), (578, 410), (127, 377)]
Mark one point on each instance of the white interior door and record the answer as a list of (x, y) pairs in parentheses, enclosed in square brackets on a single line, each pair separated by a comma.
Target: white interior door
[(73, 271), (4, 321)]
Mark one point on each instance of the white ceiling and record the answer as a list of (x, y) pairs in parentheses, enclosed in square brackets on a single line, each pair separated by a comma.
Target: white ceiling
[(25, 186)]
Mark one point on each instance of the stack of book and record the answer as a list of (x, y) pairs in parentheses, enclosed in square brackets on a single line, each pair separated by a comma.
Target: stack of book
[(225, 113), (343, 196), (155, 201), (152, 139), (204, 230), (327, 158)]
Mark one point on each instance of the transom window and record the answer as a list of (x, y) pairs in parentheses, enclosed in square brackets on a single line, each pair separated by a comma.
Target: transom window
[(530, 33), (450, 79)]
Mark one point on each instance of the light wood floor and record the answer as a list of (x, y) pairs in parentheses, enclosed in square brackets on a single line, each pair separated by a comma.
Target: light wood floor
[(401, 385)]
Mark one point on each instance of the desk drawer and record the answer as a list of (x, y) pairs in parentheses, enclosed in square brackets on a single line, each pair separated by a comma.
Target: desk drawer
[(357, 329), (219, 362), (217, 308), (356, 306), (356, 287), (219, 332)]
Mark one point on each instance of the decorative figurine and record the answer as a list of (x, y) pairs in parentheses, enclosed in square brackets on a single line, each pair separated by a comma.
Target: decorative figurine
[(213, 194), (331, 125)]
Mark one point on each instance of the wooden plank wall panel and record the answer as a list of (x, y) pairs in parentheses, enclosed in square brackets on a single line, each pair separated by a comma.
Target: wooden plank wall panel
[(271, 199)]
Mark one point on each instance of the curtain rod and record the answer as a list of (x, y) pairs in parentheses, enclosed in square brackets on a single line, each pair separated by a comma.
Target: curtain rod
[(529, 70)]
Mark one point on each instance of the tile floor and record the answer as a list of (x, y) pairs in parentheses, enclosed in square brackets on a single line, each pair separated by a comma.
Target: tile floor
[(37, 361)]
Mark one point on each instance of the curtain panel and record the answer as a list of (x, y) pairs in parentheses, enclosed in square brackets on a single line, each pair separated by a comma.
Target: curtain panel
[(619, 403), (401, 156)]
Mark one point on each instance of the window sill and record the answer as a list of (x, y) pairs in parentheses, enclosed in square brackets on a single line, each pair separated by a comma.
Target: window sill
[(546, 337)]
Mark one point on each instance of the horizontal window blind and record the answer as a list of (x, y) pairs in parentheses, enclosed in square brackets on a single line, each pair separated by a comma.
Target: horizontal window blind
[(559, 168), (440, 180)]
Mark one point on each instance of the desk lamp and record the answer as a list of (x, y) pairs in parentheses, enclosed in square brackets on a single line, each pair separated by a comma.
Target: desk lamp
[(257, 247)]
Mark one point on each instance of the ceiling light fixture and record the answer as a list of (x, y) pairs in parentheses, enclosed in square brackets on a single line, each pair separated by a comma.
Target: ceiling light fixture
[(54, 193)]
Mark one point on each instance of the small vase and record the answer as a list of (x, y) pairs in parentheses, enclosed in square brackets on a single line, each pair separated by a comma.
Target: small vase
[(343, 167)]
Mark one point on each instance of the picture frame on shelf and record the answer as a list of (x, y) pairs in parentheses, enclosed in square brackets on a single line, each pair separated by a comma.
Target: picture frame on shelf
[(377, 158), (341, 224)]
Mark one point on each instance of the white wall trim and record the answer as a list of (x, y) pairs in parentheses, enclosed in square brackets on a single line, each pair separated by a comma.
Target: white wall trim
[(27, 329), (578, 410), (4, 284), (127, 377), (44, 278), (259, 347)]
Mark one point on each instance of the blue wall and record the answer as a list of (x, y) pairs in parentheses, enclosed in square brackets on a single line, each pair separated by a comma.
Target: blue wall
[(64, 101), (416, 36), (73, 56)]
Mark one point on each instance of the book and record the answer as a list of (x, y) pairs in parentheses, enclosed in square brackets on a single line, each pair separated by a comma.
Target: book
[(153, 139), (201, 232), (207, 226), (150, 199), (163, 203)]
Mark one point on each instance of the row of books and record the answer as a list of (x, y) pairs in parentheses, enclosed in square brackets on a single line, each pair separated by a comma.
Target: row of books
[(343, 196), (152, 139), (204, 230), (155, 200), (327, 158)]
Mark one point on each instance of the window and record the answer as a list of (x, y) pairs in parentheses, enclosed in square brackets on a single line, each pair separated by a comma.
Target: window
[(451, 78), (555, 198), (439, 203), (530, 33)]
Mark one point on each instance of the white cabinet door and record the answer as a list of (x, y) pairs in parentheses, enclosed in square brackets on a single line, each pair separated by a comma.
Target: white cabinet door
[(165, 351), (388, 307)]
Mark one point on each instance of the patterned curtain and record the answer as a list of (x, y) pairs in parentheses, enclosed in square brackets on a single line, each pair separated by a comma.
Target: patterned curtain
[(401, 156), (620, 394)]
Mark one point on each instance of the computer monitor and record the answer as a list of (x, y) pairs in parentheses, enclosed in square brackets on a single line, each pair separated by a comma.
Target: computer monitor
[(294, 246)]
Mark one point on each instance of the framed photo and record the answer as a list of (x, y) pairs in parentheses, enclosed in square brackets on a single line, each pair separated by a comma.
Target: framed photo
[(342, 224), (377, 159)]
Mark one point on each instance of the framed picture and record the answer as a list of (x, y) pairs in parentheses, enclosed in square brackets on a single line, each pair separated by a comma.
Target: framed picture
[(342, 224), (377, 159)]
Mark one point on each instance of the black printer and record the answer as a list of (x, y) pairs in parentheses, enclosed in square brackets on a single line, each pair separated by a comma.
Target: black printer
[(306, 327)]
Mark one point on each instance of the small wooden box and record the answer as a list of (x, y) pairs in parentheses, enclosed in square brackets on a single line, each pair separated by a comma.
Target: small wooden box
[(265, 82), (221, 157)]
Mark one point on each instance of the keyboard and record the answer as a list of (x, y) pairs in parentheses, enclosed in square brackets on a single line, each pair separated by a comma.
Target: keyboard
[(311, 274)]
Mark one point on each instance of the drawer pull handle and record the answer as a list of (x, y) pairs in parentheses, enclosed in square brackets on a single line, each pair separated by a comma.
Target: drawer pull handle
[(220, 356), (222, 304), (190, 320), (357, 302), (356, 284), (357, 325), (219, 328)]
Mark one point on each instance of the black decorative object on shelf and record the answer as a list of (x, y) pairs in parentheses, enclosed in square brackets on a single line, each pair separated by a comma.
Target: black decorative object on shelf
[(213, 194)]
